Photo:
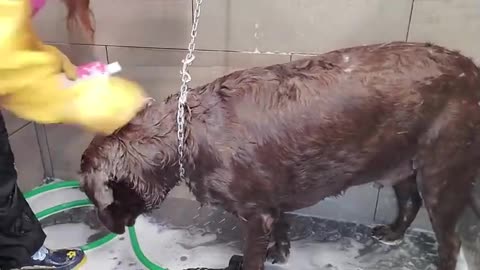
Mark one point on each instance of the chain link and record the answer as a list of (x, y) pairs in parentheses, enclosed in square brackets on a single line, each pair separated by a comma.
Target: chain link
[(182, 100)]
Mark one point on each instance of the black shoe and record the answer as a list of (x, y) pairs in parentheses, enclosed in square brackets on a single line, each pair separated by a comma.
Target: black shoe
[(61, 259)]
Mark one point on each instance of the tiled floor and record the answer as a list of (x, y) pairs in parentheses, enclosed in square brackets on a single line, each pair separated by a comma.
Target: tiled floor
[(13, 123), (180, 235)]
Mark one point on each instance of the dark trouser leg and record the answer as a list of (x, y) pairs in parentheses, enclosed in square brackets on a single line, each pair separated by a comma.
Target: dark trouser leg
[(20, 232)]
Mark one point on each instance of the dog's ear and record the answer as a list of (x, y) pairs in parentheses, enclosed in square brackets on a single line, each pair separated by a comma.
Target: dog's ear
[(96, 188)]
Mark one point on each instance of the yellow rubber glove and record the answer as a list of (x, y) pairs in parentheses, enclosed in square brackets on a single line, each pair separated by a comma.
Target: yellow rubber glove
[(66, 66), (33, 87)]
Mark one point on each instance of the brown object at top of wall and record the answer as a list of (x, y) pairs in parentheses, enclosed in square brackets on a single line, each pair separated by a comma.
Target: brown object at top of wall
[(80, 15)]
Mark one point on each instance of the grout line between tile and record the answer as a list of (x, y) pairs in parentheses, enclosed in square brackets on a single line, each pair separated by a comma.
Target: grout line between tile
[(48, 151), (376, 205), (184, 49), (106, 54), (44, 147), (410, 20), (193, 10), (18, 129), (42, 154)]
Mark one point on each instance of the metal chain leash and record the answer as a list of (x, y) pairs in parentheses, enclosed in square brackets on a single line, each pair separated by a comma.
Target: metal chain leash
[(182, 100)]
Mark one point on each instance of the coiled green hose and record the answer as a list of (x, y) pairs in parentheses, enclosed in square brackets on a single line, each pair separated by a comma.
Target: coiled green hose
[(84, 203)]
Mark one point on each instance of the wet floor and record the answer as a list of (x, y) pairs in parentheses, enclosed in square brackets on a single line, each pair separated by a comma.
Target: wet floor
[(181, 235)]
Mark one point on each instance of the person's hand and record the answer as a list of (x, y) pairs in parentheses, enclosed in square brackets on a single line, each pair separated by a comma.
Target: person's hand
[(104, 104), (65, 65), (32, 81)]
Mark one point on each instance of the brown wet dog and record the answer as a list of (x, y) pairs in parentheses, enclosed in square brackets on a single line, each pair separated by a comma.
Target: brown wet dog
[(267, 140)]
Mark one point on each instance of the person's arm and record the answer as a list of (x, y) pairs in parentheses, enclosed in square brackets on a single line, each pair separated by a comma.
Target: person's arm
[(32, 87)]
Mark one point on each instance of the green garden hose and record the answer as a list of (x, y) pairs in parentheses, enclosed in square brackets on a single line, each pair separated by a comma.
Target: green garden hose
[(84, 203)]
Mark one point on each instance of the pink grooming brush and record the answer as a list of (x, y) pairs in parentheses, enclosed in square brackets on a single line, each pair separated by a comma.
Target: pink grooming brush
[(97, 68), (37, 5)]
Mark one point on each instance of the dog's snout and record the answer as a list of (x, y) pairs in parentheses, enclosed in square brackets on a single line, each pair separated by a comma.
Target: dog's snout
[(110, 221)]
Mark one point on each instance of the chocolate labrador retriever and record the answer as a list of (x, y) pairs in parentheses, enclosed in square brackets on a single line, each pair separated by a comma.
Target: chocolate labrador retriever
[(267, 140)]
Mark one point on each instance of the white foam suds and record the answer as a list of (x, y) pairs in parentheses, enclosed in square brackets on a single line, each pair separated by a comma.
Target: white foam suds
[(182, 248), (60, 236), (117, 255), (311, 256), (114, 255)]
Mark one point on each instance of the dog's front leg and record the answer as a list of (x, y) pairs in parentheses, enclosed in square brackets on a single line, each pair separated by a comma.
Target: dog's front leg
[(259, 229), (279, 252)]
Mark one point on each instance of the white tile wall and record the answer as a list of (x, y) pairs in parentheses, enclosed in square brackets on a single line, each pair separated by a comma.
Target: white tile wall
[(149, 23), (451, 23), (28, 161), (300, 25)]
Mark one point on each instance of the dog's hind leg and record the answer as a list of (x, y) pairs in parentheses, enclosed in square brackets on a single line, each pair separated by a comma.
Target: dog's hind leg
[(409, 203), (445, 200), (280, 250), (446, 180)]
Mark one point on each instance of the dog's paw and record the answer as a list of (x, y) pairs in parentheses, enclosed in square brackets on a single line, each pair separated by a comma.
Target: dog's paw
[(278, 253), (236, 263), (385, 234)]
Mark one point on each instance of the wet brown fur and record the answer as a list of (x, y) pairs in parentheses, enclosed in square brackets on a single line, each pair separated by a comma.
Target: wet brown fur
[(267, 140)]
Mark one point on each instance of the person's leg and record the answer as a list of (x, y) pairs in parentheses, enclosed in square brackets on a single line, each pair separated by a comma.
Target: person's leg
[(21, 234)]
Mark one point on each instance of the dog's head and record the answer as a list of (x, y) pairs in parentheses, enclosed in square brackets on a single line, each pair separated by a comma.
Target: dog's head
[(127, 173), (106, 181)]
